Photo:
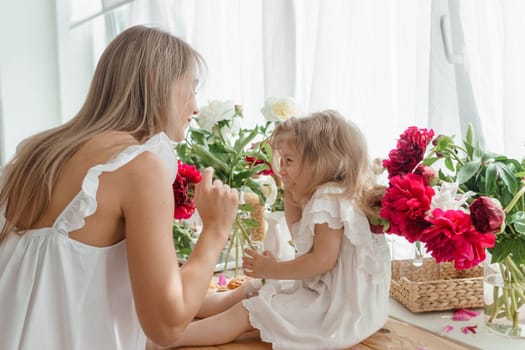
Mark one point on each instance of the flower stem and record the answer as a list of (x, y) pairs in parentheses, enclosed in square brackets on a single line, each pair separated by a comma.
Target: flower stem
[(515, 199), (508, 302)]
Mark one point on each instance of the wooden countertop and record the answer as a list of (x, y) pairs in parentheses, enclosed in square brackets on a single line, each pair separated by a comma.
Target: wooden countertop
[(395, 335)]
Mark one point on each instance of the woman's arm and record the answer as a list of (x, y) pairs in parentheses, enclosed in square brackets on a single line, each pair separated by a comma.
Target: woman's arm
[(167, 298), (320, 259)]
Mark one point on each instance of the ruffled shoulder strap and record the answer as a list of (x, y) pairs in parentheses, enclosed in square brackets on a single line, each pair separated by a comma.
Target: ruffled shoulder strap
[(329, 205), (85, 202)]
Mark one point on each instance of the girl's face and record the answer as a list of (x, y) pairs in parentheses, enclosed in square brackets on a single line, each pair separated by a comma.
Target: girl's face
[(182, 108), (291, 171)]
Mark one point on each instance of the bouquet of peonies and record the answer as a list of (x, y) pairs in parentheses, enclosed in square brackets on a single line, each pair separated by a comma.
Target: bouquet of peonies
[(241, 158), (474, 202)]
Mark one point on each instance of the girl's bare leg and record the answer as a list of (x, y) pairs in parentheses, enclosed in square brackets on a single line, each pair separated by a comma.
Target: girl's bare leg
[(218, 329)]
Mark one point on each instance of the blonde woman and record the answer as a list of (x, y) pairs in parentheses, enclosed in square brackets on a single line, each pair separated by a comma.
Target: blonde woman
[(341, 269), (86, 252)]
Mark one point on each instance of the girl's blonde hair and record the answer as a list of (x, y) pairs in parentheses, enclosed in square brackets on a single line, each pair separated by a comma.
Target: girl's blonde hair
[(332, 149), (130, 92)]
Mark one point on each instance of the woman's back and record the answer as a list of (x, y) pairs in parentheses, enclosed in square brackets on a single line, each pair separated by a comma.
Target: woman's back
[(64, 284), (105, 227)]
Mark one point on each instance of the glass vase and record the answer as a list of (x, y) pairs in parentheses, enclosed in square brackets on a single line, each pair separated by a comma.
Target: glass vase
[(277, 239), (504, 297)]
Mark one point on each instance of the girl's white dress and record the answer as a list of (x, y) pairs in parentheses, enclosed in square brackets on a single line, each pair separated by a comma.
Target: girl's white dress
[(338, 308), (57, 293)]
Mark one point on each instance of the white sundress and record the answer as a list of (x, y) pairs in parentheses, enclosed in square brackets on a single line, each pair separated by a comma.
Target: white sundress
[(60, 294), (339, 308)]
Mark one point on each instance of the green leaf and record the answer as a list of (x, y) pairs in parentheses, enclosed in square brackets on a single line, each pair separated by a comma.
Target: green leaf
[(444, 177), (245, 207), (250, 222), (469, 137), (467, 171), (507, 177), (258, 168), (245, 139), (491, 173), (449, 164), (254, 186), (520, 174), (238, 177), (225, 148), (502, 249), (430, 160), (518, 252), (210, 159), (478, 153), (470, 150), (518, 221)]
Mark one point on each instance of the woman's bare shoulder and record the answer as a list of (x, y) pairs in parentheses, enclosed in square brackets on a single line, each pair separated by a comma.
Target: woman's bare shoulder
[(110, 140)]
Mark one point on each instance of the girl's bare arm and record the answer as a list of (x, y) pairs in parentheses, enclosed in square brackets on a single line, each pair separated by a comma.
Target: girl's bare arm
[(320, 259)]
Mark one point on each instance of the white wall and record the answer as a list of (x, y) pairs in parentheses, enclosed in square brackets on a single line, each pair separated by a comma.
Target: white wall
[(28, 71)]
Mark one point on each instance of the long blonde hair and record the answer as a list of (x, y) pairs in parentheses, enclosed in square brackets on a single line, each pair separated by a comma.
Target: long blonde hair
[(332, 149), (130, 92)]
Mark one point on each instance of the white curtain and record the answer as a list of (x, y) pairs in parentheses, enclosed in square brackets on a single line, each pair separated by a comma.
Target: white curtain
[(380, 62), (494, 34), (367, 59)]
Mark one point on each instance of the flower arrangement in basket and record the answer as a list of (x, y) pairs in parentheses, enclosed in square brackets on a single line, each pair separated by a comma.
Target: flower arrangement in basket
[(474, 202), (241, 158)]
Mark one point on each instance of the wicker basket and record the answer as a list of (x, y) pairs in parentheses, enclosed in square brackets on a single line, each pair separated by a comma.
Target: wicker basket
[(436, 287)]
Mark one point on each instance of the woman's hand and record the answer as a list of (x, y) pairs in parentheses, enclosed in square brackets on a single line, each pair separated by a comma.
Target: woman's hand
[(258, 265), (216, 203)]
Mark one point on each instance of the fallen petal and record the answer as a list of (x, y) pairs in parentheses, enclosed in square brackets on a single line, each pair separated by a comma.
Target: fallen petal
[(222, 280), (469, 329), (464, 314), (446, 329)]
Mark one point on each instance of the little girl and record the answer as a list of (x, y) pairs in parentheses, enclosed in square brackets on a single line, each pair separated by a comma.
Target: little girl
[(341, 269)]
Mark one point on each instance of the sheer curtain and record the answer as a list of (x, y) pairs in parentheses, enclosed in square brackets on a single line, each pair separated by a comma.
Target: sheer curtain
[(368, 59), (495, 53)]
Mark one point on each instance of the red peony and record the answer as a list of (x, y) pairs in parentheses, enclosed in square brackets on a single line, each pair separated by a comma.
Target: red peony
[(487, 214), (410, 150), (404, 205), (452, 237), (187, 177)]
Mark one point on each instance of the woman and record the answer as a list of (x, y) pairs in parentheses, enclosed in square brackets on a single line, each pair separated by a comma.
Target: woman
[(86, 252)]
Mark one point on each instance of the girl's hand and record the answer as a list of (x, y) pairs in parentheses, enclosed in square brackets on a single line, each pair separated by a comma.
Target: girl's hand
[(258, 265)]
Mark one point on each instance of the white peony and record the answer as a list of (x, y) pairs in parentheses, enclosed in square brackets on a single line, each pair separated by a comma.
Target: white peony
[(278, 110), (214, 112), (230, 132), (446, 197)]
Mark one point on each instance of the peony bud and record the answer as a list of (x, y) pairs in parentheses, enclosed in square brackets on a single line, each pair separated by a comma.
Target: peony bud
[(487, 214), (238, 109), (435, 141)]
